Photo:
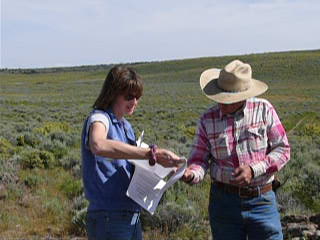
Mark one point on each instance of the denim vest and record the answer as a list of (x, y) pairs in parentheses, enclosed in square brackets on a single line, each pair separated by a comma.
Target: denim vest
[(106, 180)]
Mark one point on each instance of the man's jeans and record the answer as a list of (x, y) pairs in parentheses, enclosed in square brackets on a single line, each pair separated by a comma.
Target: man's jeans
[(120, 225), (235, 218)]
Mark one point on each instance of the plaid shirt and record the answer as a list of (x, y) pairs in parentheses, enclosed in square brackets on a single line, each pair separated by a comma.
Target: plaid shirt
[(252, 136)]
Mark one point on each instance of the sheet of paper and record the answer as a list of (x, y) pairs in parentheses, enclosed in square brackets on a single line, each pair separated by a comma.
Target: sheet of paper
[(146, 188), (148, 182)]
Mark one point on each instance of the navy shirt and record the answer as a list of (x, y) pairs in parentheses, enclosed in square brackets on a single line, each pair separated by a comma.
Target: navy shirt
[(106, 180)]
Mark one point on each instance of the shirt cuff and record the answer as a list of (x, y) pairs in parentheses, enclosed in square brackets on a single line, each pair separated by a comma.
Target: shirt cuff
[(258, 169)]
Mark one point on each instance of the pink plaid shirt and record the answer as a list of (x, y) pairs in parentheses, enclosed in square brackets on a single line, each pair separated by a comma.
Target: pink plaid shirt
[(252, 136)]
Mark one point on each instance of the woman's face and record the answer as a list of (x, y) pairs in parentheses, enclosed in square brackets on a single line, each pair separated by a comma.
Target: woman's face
[(125, 104)]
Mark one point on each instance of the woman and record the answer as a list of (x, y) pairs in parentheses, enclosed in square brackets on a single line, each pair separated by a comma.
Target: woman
[(108, 140)]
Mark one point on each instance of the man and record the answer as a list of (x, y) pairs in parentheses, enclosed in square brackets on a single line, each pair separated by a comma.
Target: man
[(243, 142)]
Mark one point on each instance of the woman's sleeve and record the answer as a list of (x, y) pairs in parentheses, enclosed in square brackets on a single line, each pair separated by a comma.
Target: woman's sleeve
[(96, 117)]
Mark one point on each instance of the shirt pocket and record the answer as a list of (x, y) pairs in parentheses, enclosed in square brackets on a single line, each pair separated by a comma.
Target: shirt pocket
[(256, 138), (220, 146)]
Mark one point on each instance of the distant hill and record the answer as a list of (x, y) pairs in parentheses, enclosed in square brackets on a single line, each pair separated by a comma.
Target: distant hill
[(192, 61)]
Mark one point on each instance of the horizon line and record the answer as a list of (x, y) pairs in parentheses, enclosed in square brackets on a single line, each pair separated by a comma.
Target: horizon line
[(152, 61)]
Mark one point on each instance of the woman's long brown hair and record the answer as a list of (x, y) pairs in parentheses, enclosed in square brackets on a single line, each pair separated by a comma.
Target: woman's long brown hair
[(120, 80)]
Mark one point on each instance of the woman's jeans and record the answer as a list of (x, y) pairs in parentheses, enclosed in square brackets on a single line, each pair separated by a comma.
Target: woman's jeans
[(235, 218), (115, 225)]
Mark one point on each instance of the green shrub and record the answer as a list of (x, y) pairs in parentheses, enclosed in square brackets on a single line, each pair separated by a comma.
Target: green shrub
[(23, 127), (59, 149), (71, 159), (194, 231), (20, 140), (49, 127), (6, 147), (76, 171), (169, 216), (71, 188), (78, 222), (190, 131), (79, 202), (79, 213), (30, 139), (55, 207), (4, 219), (292, 120), (15, 191), (33, 158), (308, 191), (8, 163), (9, 168), (31, 179), (300, 194), (311, 129), (67, 138)]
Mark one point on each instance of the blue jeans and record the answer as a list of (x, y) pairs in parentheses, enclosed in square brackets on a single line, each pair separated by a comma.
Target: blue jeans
[(117, 225), (235, 218)]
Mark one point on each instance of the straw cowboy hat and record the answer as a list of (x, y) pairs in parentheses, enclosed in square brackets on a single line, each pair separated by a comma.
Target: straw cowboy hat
[(232, 84)]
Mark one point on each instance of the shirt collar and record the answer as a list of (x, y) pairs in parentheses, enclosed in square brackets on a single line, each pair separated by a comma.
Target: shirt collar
[(113, 117)]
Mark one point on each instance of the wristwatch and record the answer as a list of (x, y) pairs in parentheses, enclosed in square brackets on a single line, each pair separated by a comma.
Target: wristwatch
[(153, 157)]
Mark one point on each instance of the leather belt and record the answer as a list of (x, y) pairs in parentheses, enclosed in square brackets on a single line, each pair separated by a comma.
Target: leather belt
[(244, 192)]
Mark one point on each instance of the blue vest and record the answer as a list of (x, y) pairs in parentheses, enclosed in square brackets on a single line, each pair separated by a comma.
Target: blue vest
[(106, 180)]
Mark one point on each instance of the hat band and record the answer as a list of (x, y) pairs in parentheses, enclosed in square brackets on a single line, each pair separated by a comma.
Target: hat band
[(229, 91)]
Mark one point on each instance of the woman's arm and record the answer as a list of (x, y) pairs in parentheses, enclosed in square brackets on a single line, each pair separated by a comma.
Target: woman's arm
[(100, 145)]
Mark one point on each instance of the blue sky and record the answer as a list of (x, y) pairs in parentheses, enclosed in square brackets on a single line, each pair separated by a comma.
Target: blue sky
[(44, 33)]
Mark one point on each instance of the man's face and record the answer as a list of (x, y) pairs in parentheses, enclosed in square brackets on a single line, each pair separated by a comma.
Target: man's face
[(231, 108)]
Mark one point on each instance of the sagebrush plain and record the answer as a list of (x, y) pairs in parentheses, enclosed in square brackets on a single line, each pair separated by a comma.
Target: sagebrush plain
[(42, 112)]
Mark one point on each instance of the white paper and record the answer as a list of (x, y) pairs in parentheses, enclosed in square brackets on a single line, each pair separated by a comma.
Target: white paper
[(148, 184)]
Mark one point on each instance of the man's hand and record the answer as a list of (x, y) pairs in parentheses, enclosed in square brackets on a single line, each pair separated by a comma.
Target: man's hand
[(242, 176), (188, 176), (167, 158)]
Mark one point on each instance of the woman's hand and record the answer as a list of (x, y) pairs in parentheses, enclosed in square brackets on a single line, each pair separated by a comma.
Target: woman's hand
[(167, 158)]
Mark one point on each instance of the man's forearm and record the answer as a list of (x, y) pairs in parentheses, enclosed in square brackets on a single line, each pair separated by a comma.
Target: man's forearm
[(273, 162)]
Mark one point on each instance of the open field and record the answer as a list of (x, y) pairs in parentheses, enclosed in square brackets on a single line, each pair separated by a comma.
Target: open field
[(42, 111)]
